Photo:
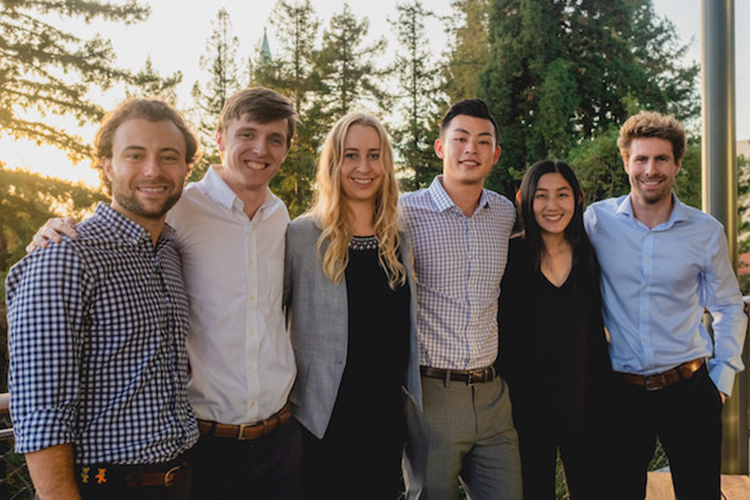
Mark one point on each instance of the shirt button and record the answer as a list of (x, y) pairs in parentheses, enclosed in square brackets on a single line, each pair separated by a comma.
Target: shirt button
[(252, 403), (251, 368), (252, 334), (645, 287), (252, 297), (644, 314)]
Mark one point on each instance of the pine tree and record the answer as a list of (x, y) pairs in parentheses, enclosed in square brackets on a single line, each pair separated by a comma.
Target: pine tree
[(469, 48), (417, 82), (149, 83), (349, 76), (47, 70), (220, 60)]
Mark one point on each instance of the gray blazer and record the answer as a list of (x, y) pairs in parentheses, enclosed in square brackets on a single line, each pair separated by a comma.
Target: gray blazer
[(317, 322)]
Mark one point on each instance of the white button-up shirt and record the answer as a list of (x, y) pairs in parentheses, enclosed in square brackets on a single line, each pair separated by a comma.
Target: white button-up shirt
[(241, 359)]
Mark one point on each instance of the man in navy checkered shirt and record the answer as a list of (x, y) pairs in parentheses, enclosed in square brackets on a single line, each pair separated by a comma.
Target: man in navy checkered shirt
[(459, 232), (98, 365)]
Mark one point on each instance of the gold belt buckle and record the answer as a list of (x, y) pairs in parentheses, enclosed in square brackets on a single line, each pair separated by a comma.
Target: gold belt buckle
[(241, 433), (170, 475)]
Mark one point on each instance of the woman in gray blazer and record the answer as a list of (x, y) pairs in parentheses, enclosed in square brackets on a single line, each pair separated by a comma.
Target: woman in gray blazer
[(350, 298)]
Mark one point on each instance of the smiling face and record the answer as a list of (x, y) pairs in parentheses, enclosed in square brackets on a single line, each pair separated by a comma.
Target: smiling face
[(362, 169), (147, 169), (554, 203), (252, 152), (468, 148), (651, 169)]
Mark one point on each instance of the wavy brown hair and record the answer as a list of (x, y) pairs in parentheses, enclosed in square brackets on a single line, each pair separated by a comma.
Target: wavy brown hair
[(330, 210)]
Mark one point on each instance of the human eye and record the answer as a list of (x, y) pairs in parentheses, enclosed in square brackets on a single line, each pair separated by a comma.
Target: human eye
[(351, 155), (374, 156)]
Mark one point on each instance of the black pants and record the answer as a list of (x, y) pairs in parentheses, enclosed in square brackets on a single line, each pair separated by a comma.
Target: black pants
[(686, 417), (267, 467)]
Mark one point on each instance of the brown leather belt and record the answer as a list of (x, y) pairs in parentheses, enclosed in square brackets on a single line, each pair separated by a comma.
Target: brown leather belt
[(469, 377), (246, 431), (658, 381)]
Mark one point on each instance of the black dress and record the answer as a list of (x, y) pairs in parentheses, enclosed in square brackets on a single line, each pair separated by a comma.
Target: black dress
[(363, 444), (554, 356)]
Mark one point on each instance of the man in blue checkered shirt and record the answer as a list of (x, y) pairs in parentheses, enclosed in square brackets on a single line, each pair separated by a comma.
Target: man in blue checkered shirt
[(98, 365), (459, 232)]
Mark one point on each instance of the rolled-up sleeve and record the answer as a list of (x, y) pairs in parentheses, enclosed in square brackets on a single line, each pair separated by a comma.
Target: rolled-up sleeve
[(45, 297)]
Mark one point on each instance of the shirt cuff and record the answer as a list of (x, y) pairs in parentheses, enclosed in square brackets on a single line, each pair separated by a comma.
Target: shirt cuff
[(42, 429), (723, 378)]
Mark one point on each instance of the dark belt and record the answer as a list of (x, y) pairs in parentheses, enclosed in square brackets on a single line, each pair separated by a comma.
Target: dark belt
[(469, 377), (246, 431), (658, 381), (167, 474)]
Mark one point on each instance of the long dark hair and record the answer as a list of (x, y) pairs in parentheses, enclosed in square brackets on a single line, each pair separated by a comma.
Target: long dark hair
[(583, 252)]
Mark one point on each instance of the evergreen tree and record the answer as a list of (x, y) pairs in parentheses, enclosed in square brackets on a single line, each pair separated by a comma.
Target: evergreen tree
[(349, 76), (44, 69), (294, 76), (148, 83), (562, 73), (469, 48), (416, 75), (297, 31), (220, 60)]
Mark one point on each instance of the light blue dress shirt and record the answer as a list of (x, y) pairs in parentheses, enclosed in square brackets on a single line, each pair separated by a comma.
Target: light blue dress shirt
[(655, 285)]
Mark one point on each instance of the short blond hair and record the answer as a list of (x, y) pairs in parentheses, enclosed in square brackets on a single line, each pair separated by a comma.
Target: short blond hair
[(652, 124)]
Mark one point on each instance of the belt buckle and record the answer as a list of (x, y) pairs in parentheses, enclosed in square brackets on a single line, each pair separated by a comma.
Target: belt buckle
[(241, 432), (169, 476), (647, 382)]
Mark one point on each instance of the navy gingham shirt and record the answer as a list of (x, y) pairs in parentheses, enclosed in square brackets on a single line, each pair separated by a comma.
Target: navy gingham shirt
[(459, 262), (97, 345)]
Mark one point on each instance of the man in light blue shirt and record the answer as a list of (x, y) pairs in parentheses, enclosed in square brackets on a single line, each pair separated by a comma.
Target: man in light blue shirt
[(664, 263)]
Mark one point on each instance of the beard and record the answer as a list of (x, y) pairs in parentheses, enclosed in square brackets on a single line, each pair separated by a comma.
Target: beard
[(127, 198)]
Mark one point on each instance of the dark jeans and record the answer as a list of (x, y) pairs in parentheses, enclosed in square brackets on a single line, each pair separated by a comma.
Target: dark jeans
[(686, 417), (267, 467)]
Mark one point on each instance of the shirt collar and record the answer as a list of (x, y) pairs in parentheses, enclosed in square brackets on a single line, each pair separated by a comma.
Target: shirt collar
[(679, 211), (219, 191), (443, 200), (127, 230)]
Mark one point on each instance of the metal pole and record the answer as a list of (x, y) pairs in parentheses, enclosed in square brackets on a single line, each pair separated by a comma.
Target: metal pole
[(720, 188)]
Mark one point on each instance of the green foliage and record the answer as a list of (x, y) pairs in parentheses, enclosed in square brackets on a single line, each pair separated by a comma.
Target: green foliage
[(44, 69), (599, 168), (562, 74), (28, 200), (149, 83), (348, 75), (416, 76), (469, 48), (220, 61)]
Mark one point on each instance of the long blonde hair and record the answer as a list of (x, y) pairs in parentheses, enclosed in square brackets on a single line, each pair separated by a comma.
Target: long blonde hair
[(330, 210)]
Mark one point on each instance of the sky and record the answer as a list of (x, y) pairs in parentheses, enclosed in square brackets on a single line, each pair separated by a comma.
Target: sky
[(175, 37)]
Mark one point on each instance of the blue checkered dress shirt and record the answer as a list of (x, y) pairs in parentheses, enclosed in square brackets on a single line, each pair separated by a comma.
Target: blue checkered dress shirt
[(459, 262), (97, 346)]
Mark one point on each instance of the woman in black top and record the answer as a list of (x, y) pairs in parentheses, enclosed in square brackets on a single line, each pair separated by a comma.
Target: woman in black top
[(349, 311), (553, 350)]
